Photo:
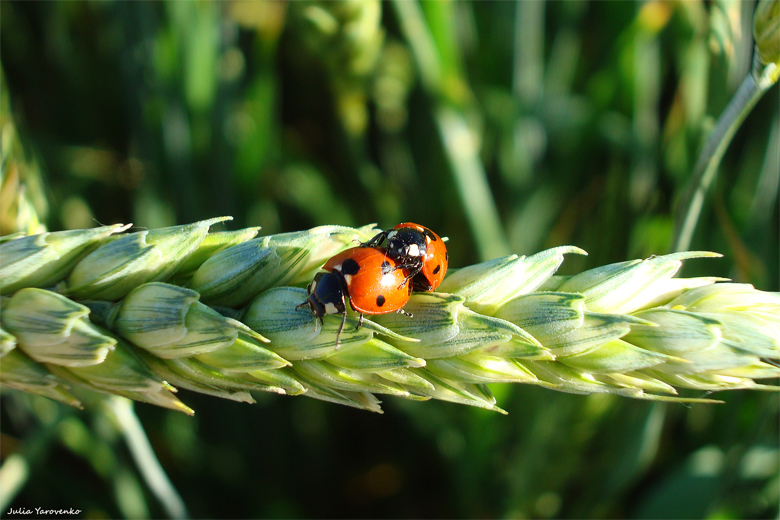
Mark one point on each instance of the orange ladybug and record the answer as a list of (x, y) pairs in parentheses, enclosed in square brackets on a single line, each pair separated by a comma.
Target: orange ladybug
[(373, 281), (418, 250)]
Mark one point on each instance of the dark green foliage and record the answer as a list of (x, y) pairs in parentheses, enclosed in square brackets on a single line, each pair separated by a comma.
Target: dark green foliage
[(585, 121)]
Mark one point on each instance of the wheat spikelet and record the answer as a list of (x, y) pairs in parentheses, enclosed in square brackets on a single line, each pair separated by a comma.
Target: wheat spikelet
[(138, 314)]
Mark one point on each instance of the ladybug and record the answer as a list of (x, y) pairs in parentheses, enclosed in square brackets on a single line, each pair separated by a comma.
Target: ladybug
[(418, 250), (374, 282)]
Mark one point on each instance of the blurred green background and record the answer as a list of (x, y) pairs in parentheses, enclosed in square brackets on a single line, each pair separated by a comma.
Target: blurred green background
[(506, 126)]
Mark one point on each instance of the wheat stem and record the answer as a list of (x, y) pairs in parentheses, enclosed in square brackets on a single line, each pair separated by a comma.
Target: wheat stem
[(146, 460), (755, 84)]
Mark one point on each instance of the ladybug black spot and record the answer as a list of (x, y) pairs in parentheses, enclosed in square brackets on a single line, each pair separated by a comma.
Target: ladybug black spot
[(380, 300), (436, 271), (386, 267), (430, 235), (350, 267)]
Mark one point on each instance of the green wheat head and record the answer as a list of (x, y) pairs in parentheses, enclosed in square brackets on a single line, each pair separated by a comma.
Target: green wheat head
[(139, 314)]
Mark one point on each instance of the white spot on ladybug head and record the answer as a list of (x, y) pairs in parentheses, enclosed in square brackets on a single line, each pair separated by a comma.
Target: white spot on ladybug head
[(330, 308), (414, 250), (392, 234), (348, 278), (337, 267)]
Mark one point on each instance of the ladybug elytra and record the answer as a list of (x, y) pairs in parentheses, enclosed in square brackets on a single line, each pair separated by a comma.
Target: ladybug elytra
[(418, 250), (373, 281)]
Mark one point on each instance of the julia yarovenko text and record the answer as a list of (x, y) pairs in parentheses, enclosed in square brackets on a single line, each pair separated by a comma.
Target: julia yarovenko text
[(40, 511)]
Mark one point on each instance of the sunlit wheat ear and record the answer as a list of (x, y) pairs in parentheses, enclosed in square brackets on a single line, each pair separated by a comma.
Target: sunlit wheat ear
[(138, 314)]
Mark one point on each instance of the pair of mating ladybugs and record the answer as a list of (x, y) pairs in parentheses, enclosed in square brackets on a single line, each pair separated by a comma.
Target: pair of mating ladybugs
[(379, 279)]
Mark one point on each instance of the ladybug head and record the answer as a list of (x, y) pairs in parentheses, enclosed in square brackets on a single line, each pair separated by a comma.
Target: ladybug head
[(326, 295), (406, 243)]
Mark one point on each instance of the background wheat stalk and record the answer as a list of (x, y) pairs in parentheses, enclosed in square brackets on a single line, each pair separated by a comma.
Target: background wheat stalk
[(132, 314)]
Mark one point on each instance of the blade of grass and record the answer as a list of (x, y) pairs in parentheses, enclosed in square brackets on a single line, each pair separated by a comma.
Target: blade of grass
[(460, 146), (527, 82), (750, 91), (471, 182), (17, 467), (419, 37), (141, 449)]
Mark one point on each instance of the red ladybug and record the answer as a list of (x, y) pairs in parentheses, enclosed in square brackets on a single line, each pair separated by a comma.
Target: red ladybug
[(418, 250), (374, 282)]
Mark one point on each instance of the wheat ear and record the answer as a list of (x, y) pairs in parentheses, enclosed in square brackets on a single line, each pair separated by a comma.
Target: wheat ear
[(138, 314)]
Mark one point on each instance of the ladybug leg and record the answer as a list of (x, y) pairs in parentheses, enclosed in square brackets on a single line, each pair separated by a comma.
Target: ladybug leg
[(413, 270), (378, 238), (341, 327), (360, 322), (409, 276), (317, 319), (407, 314)]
